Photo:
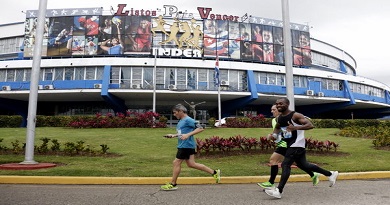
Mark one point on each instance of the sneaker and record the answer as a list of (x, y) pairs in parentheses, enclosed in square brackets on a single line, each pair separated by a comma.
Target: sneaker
[(169, 187), (333, 177), (266, 185), (274, 192), (217, 176), (315, 178)]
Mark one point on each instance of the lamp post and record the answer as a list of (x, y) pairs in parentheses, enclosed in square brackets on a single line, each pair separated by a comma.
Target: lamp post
[(288, 54), (34, 81)]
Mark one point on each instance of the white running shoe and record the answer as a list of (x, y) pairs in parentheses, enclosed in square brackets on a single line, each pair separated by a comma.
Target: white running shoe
[(333, 178), (274, 192)]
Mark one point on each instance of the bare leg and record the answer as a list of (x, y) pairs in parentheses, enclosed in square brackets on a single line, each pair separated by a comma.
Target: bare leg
[(176, 169), (192, 164)]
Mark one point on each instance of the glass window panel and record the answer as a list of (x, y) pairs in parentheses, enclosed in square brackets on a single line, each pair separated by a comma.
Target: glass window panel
[(19, 74), (136, 76), (2, 75), (181, 78), (233, 79), (263, 78), (79, 73), (126, 73), (171, 80), (271, 78), (99, 73), (48, 74), (27, 74), (90, 73), (115, 71), (148, 78), (69, 73), (59, 74), (191, 79), (11, 75), (160, 73), (280, 79)]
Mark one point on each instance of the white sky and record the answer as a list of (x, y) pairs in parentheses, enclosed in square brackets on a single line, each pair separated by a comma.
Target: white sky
[(361, 28)]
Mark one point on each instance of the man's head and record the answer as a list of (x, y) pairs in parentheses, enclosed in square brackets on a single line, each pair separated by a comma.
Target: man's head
[(179, 111), (274, 111), (282, 104)]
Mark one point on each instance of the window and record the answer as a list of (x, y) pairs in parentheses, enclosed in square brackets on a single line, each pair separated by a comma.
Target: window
[(90, 73), (181, 78), (10, 75), (48, 74), (148, 78), (3, 75), (136, 76), (69, 72), (59, 74), (79, 73), (19, 74)]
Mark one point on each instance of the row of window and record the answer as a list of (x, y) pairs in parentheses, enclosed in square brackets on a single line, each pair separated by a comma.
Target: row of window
[(10, 45), (279, 79), (51, 74), (177, 78), (365, 89)]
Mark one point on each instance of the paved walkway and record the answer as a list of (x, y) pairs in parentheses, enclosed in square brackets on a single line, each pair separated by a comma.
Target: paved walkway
[(182, 180), (345, 192)]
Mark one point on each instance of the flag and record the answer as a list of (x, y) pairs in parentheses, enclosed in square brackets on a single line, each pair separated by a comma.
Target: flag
[(216, 73), (244, 18)]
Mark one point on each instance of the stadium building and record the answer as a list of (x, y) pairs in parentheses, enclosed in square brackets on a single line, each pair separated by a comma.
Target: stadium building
[(98, 61)]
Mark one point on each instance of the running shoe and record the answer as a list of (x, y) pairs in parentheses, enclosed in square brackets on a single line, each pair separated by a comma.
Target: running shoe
[(266, 185), (315, 178), (333, 177), (217, 176), (169, 187), (274, 193)]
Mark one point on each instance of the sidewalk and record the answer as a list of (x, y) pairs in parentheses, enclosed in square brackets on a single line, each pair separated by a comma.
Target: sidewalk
[(182, 180)]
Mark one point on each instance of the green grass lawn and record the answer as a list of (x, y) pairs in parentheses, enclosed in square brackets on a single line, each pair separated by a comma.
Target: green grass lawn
[(146, 153)]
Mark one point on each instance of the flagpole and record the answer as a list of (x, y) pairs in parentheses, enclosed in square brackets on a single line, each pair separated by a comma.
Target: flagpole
[(219, 104), (218, 83)]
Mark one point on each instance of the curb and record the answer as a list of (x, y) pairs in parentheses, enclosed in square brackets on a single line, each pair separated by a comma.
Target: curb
[(181, 180)]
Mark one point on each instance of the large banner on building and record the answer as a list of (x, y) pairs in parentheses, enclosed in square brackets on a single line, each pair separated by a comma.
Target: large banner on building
[(86, 32)]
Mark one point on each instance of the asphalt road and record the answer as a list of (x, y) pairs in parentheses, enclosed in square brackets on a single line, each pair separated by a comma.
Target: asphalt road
[(345, 192)]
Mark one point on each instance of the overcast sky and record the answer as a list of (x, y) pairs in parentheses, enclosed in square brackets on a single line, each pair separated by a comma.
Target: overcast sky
[(361, 28)]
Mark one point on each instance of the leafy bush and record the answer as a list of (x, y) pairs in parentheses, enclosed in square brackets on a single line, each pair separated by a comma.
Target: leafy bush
[(245, 144), (248, 122), (70, 148), (131, 119), (10, 121), (211, 121), (379, 134)]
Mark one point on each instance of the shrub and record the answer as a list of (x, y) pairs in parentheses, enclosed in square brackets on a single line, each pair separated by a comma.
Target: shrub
[(248, 122), (131, 119), (245, 144), (212, 121), (379, 134)]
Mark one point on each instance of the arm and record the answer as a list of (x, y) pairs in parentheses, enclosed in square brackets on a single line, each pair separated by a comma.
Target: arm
[(198, 129), (275, 133), (301, 119), (119, 34), (103, 45)]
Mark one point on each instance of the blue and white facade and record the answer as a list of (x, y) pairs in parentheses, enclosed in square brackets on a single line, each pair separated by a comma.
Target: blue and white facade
[(81, 75)]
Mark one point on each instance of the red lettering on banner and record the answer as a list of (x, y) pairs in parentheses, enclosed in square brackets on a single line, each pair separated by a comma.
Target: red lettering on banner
[(202, 14), (119, 12), (132, 12), (205, 14)]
